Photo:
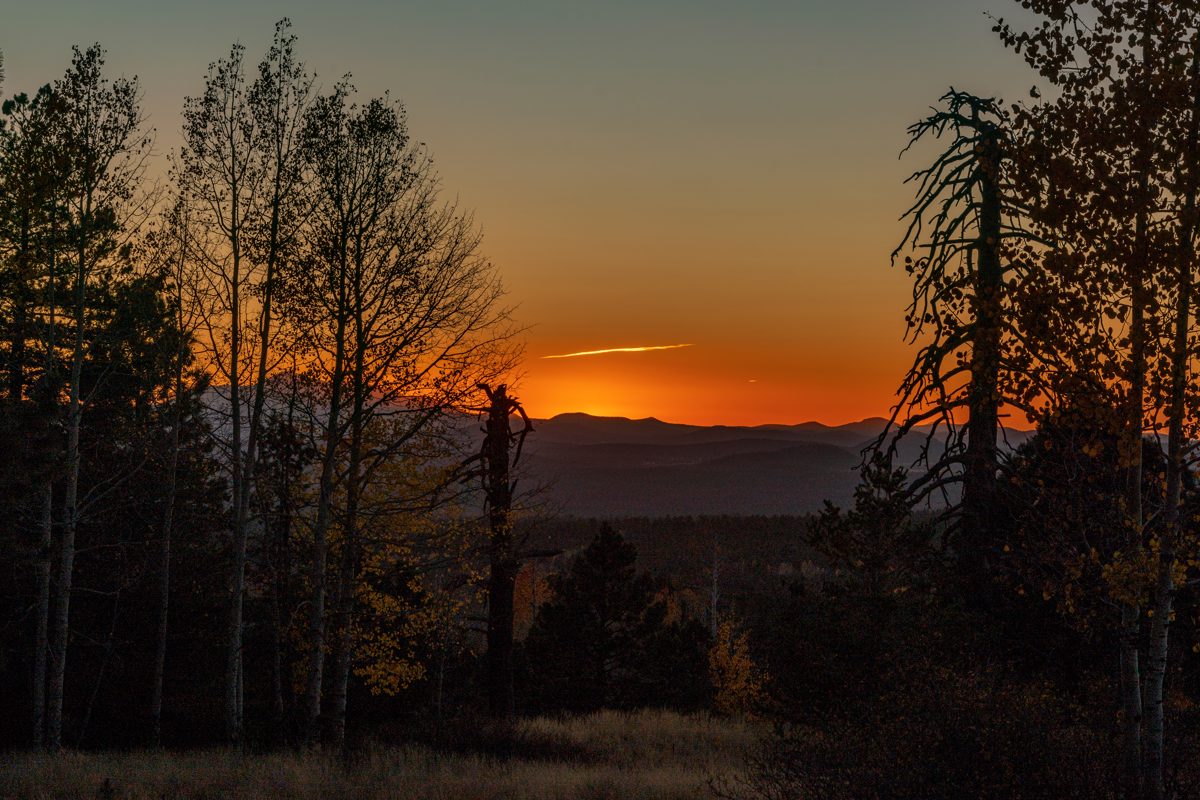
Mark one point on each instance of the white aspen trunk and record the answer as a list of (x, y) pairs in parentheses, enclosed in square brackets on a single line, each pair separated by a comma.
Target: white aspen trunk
[(347, 580), (164, 566), (316, 625), (237, 581), (1164, 595), (1131, 687), (70, 519)]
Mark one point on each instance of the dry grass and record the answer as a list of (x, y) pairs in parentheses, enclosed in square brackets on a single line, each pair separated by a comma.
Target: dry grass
[(642, 756)]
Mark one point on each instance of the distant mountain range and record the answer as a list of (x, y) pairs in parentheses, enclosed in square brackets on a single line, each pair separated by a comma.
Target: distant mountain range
[(613, 466), (586, 466)]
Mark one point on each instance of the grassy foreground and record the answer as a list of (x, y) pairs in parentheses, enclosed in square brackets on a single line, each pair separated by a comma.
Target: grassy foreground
[(641, 756)]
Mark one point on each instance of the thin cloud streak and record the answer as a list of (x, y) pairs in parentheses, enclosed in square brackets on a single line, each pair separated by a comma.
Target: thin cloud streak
[(620, 350)]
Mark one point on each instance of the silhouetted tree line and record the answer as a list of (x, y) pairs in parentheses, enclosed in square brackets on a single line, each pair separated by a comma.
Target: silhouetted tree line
[(237, 409), (1039, 639), (231, 402)]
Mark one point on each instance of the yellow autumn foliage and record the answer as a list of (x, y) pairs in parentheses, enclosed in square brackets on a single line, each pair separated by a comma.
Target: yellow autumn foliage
[(413, 585), (739, 684), (393, 621)]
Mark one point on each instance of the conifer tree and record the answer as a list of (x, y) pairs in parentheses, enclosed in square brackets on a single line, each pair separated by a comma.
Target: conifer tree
[(605, 640)]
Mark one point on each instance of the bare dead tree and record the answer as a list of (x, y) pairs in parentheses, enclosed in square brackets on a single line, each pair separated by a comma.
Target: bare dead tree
[(497, 459), (961, 313)]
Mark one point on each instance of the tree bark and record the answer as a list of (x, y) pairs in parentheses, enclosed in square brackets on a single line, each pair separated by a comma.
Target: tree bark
[(1138, 292), (237, 578), (502, 560), (983, 395), (70, 517), (41, 638), (347, 575), (348, 578), (283, 694), (45, 562), (244, 471), (164, 562), (1176, 442), (316, 626)]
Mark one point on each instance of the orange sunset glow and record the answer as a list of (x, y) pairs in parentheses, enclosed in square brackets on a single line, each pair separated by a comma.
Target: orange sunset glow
[(719, 178), (706, 385)]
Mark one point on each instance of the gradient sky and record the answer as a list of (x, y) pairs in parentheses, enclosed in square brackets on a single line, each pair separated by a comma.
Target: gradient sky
[(646, 173)]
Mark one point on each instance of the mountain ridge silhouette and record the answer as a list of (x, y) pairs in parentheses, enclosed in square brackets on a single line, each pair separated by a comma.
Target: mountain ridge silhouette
[(599, 466)]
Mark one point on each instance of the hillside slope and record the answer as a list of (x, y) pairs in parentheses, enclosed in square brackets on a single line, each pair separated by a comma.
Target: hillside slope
[(611, 466)]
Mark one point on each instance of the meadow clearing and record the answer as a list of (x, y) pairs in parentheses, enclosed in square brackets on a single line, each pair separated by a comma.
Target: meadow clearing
[(648, 755)]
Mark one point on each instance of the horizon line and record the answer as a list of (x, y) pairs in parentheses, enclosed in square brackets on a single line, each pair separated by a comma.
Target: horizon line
[(809, 421)]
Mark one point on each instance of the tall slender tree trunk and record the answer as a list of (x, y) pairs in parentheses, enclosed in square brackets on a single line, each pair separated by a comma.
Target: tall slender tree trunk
[(1131, 613), (317, 622), (280, 602), (1176, 442), (283, 695), (503, 561), (348, 578), (244, 473), (1131, 698), (164, 601), (983, 396), (164, 563), (237, 580), (70, 517), (18, 328), (45, 561), (41, 641), (439, 688)]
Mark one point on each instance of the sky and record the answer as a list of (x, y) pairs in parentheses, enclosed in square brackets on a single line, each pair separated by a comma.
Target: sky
[(716, 174)]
